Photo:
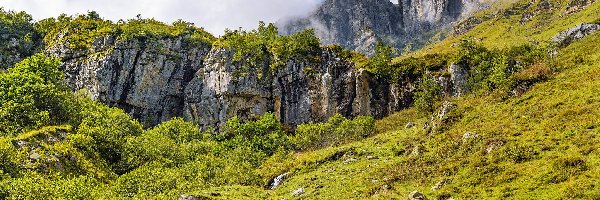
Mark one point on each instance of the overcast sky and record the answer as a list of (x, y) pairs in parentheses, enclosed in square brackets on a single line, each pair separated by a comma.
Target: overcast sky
[(213, 15)]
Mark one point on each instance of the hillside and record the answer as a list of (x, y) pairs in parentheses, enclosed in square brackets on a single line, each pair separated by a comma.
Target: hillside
[(502, 109)]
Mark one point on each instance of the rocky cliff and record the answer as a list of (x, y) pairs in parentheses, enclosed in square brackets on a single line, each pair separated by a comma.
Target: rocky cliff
[(146, 77), (360, 24), (158, 79)]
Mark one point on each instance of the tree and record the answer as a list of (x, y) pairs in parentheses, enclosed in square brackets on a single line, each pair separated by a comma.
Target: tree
[(380, 62), (32, 94)]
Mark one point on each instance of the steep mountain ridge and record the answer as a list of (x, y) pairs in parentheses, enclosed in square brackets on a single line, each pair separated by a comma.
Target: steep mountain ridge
[(359, 25)]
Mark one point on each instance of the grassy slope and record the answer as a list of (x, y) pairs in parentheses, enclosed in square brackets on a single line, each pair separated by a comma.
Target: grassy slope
[(547, 142), (506, 31)]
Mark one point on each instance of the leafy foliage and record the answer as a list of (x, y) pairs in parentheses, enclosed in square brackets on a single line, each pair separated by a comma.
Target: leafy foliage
[(427, 93), (19, 38), (264, 47), (32, 95), (101, 152), (337, 130), (79, 32)]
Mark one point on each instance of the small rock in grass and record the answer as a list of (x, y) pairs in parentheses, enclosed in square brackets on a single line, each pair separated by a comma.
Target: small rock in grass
[(34, 156), (298, 192), (351, 160), (416, 195), (21, 143), (439, 185), (386, 187), (470, 135), (409, 125), (278, 180)]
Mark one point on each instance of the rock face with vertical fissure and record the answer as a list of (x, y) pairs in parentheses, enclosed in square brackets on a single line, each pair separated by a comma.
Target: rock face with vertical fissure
[(156, 79)]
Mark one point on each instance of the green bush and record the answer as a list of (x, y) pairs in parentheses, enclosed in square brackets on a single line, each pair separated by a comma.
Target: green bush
[(82, 30), (264, 135), (493, 70), (336, 130), (427, 93), (37, 186), (20, 39), (380, 63), (264, 47), (32, 95), (109, 128), (520, 153), (147, 181)]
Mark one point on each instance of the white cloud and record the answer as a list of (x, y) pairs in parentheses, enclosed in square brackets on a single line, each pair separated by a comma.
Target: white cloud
[(213, 15)]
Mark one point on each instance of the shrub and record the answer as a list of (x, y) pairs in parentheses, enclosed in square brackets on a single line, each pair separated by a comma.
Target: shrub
[(492, 70), (19, 37), (32, 95), (336, 130), (109, 128), (146, 181), (427, 93), (264, 47), (535, 73), (263, 135), (381, 60), (520, 153)]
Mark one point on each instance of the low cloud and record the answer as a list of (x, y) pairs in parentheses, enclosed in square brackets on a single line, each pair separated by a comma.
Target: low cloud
[(214, 15)]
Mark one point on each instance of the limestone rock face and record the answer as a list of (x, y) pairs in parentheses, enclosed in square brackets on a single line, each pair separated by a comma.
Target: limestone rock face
[(144, 77), (297, 93), (359, 24), (156, 79), (219, 91)]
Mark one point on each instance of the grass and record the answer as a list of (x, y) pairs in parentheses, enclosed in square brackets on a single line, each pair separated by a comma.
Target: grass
[(506, 31), (547, 148), (543, 144)]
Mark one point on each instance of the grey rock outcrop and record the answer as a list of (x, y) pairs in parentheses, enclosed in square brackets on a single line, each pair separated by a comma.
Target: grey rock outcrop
[(297, 93), (144, 77), (458, 78), (156, 79), (298, 192), (577, 5), (578, 32), (359, 25), (441, 119)]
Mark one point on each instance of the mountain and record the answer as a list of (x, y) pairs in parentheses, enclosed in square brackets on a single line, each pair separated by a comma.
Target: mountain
[(360, 24), (506, 106)]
